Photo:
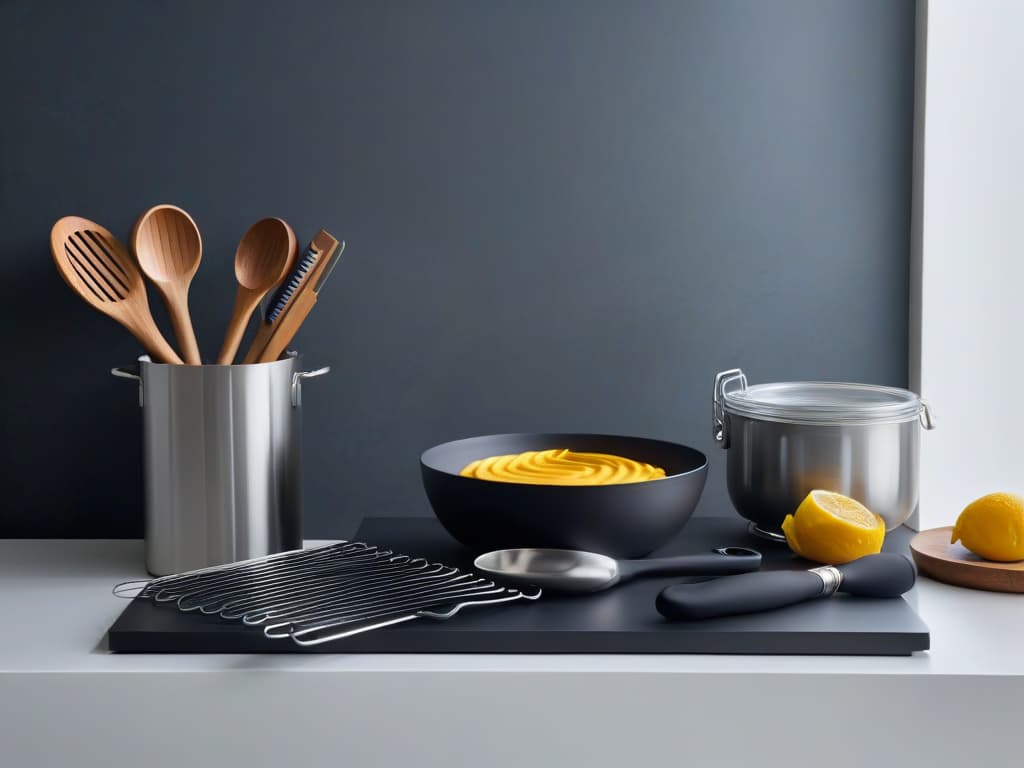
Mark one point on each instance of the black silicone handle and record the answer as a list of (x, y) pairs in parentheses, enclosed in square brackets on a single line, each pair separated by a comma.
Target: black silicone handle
[(882, 575), (715, 563), (746, 593)]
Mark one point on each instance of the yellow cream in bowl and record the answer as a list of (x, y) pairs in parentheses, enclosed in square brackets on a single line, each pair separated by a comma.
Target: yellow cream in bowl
[(560, 466)]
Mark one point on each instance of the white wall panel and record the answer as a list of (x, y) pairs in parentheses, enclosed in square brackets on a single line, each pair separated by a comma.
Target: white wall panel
[(966, 309)]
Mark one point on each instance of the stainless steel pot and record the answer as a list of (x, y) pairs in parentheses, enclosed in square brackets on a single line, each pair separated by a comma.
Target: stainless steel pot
[(787, 439), (222, 456)]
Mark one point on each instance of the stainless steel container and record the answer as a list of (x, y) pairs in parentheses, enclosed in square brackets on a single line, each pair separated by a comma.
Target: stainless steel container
[(787, 439), (222, 457)]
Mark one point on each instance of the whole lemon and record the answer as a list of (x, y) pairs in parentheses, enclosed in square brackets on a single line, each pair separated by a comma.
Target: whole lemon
[(992, 527), (831, 528)]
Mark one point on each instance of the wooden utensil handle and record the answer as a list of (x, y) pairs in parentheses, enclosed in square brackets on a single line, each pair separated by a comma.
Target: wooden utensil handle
[(288, 326), (156, 345), (245, 303), (259, 343), (181, 321)]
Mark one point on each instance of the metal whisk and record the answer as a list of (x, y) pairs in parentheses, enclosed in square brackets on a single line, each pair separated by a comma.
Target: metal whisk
[(327, 593)]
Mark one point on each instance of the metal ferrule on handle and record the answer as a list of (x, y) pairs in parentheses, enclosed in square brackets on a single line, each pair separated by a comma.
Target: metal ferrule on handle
[(831, 579)]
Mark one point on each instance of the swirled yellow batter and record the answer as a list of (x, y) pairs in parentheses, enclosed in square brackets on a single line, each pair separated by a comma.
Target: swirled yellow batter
[(560, 466)]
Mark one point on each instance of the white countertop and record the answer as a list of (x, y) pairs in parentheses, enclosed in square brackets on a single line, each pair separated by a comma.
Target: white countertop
[(65, 585), (55, 596)]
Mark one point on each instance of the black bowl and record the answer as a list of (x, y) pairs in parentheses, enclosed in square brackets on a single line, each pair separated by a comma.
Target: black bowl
[(624, 520)]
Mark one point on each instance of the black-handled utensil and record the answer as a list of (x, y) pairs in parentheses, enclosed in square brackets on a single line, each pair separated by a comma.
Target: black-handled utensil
[(571, 570), (881, 575)]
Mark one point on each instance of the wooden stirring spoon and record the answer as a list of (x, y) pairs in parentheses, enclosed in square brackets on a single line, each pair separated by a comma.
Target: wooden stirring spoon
[(167, 244), (264, 256), (99, 268)]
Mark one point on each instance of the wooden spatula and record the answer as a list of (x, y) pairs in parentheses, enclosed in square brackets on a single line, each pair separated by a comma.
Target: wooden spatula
[(99, 269)]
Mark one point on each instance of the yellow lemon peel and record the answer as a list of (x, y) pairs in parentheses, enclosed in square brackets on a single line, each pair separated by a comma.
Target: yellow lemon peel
[(992, 527), (831, 528)]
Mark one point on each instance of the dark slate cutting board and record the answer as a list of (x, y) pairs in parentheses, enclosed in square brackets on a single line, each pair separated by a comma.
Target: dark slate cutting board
[(621, 620)]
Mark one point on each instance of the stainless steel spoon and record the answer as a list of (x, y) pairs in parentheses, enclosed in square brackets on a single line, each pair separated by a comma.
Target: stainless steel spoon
[(570, 570)]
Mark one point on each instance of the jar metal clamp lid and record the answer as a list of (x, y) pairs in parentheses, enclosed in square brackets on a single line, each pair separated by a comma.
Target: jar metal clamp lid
[(821, 403)]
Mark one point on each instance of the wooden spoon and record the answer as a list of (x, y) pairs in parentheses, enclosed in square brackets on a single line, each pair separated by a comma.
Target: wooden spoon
[(167, 244), (99, 268), (264, 256)]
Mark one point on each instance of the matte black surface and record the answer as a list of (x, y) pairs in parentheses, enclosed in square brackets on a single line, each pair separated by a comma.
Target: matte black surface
[(880, 575), (620, 620), (757, 592), (884, 575), (561, 215), (732, 560), (621, 520)]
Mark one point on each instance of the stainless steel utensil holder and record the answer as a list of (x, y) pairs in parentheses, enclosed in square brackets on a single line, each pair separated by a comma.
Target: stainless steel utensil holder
[(222, 457)]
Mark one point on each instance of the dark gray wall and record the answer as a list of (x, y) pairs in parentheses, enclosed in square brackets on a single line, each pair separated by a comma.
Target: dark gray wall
[(562, 215)]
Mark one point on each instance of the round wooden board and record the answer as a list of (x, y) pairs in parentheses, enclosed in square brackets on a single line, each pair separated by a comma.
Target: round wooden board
[(953, 564)]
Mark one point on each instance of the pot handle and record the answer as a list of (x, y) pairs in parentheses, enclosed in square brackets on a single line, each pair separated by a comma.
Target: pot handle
[(722, 381), (927, 420), (297, 378), (129, 372)]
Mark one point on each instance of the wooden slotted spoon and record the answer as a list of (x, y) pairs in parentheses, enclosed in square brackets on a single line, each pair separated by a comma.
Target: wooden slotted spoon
[(99, 269), (265, 255), (168, 247)]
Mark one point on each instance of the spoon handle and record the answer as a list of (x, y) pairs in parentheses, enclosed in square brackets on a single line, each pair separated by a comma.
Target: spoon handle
[(181, 321), (144, 329), (245, 302), (739, 560)]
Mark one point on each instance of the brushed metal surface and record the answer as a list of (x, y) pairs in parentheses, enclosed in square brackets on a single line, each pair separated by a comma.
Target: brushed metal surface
[(222, 453), (771, 466)]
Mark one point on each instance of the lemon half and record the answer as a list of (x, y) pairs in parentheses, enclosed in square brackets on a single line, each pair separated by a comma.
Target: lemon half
[(993, 527), (831, 528)]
